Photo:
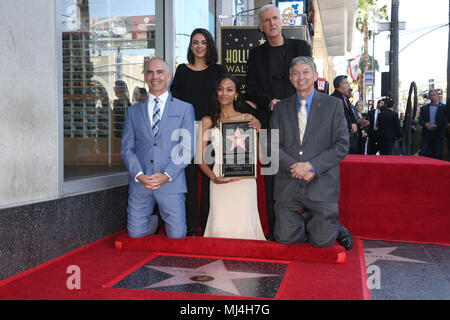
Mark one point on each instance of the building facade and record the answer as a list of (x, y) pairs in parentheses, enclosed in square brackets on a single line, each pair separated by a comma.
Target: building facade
[(70, 68)]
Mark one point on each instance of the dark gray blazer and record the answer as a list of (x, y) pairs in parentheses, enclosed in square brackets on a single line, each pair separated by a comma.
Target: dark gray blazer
[(325, 145)]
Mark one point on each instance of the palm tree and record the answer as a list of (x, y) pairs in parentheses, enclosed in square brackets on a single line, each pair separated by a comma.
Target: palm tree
[(367, 14)]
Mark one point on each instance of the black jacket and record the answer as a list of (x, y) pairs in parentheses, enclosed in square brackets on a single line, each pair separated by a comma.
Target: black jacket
[(259, 87), (349, 115), (389, 124), (441, 119)]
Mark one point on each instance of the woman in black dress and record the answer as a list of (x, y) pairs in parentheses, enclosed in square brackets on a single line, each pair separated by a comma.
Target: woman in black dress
[(194, 83)]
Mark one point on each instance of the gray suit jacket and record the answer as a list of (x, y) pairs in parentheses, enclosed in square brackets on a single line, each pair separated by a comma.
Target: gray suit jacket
[(325, 144), (172, 149)]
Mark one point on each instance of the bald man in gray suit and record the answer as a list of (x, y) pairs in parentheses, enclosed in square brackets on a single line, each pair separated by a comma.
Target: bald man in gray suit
[(312, 143)]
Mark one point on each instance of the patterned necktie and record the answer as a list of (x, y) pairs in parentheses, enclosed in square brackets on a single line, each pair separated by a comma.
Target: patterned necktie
[(156, 117), (302, 118)]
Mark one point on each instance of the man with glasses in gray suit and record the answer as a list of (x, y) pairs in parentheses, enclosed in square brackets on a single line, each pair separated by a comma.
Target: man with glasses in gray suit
[(313, 140)]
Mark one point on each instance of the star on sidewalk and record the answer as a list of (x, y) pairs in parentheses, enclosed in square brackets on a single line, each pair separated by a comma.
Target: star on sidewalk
[(213, 274), (374, 254), (238, 139)]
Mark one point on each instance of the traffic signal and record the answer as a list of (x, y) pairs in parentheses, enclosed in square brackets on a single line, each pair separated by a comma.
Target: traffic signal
[(371, 104), (146, 60)]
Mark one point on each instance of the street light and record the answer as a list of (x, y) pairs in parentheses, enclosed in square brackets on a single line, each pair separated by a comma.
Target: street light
[(374, 33), (378, 28)]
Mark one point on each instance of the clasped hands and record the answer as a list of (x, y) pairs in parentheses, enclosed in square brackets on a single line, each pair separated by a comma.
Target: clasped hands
[(302, 170), (430, 127), (153, 182)]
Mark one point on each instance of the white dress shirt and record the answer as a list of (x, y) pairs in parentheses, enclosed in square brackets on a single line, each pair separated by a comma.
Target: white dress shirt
[(151, 104), (375, 117)]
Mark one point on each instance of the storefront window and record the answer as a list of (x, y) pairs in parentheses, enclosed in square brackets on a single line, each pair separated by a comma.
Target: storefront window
[(105, 43), (238, 12), (189, 15)]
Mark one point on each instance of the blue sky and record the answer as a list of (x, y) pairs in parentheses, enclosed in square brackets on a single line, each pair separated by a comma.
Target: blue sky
[(426, 58)]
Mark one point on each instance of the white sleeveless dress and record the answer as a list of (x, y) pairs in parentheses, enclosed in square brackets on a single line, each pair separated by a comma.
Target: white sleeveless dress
[(233, 211)]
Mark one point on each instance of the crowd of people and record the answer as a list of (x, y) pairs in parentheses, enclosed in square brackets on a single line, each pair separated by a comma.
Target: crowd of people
[(168, 137), (379, 131)]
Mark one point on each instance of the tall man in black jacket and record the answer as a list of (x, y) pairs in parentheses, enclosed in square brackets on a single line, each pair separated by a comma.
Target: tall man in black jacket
[(373, 146), (342, 91), (447, 127), (268, 79), (389, 126), (433, 119)]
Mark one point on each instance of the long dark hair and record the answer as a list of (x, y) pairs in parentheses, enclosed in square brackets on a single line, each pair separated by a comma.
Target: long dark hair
[(211, 52), (239, 104)]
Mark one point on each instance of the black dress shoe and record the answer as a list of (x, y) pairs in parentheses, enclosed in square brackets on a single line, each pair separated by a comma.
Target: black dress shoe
[(191, 234), (345, 238)]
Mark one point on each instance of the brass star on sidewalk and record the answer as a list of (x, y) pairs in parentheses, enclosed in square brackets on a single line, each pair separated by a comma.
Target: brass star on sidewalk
[(213, 274)]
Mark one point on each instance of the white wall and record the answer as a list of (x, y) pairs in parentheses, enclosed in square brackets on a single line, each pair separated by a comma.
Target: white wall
[(28, 102)]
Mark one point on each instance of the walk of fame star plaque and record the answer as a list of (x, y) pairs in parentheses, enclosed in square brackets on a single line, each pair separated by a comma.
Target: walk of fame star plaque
[(207, 275), (238, 150)]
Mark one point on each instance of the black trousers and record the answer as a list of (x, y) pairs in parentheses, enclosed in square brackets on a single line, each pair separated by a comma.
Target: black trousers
[(447, 134), (387, 146), (192, 208), (432, 144), (270, 203), (374, 143), (362, 145)]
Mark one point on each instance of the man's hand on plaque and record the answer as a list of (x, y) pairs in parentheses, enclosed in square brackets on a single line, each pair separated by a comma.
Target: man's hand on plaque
[(273, 103), (254, 123)]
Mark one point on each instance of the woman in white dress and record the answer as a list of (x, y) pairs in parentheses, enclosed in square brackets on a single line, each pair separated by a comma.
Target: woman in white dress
[(233, 202)]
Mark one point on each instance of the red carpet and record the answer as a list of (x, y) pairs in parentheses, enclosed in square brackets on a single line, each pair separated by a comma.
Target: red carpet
[(382, 197), (233, 248), (392, 198), (101, 263), (396, 198)]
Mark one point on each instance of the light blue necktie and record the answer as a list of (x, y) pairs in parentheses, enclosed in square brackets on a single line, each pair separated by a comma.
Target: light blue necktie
[(156, 117)]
